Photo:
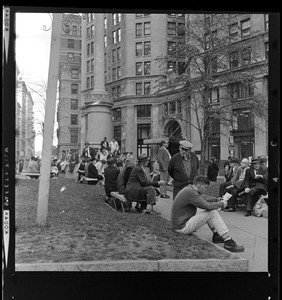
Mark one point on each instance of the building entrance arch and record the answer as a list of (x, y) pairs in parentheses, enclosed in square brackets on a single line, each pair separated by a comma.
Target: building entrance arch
[(174, 133)]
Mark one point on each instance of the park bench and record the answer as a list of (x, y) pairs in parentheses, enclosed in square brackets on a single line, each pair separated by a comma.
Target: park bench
[(31, 174), (122, 200), (85, 180)]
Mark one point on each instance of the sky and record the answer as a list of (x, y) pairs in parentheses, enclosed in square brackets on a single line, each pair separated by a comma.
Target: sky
[(32, 57)]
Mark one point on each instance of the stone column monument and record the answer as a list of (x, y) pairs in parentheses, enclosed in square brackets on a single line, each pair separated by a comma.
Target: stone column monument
[(97, 103)]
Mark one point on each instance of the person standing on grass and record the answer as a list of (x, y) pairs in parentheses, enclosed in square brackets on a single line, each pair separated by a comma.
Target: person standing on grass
[(212, 169), (183, 167), (163, 160), (185, 218)]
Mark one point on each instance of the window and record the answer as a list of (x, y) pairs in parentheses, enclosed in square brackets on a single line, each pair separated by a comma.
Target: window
[(147, 88), (233, 32), (114, 55), (70, 56), (147, 68), (118, 72), (233, 59), (171, 28), (178, 107), (214, 39), (147, 48), (74, 74), (88, 49), (214, 95), (214, 64), (214, 125), (92, 64), (88, 83), (240, 90), (139, 68), (117, 133), (114, 74), (139, 88), (105, 23), (74, 88), (180, 29), (118, 18), (266, 22), (114, 92), (119, 35), (246, 55), (74, 119), (92, 47), (114, 19), (266, 47), (171, 47), (138, 51), (171, 67), (74, 104), (118, 91), (74, 136), (245, 28), (92, 30), (147, 28), (143, 111), (172, 107), (118, 54), (74, 30), (88, 66), (117, 114), (138, 29), (165, 109), (181, 68), (88, 32), (114, 37), (242, 120), (105, 41), (70, 43), (92, 81)]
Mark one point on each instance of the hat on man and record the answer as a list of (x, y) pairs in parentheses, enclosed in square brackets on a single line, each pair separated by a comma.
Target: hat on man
[(245, 160), (263, 158), (234, 160), (255, 160), (111, 160), (143, 157), (185, 145)]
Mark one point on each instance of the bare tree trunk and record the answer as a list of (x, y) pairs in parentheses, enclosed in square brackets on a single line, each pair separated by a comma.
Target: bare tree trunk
[(44, 181)]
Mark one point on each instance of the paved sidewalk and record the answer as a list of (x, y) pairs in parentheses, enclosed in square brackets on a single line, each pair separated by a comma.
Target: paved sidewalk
[(252, 232)]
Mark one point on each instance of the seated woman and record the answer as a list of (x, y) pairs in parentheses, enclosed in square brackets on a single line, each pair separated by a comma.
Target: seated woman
[(93, 172), (124, 174)]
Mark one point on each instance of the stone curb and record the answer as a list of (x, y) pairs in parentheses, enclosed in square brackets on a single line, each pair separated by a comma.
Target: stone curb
[(165, 265)]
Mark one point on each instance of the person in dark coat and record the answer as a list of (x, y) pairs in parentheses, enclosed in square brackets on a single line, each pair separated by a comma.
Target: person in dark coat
[(123, 176), (212, 169), (111, 173), (93, 172), (88, 152), (183, 167), (254, 184), (140, 188), (105, 144)]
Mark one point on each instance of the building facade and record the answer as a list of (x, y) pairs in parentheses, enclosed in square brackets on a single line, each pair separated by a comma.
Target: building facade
[(69, 103), (119, 80), (25, 133)]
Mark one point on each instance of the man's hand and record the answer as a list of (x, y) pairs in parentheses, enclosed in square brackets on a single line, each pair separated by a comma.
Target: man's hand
[(247, 190), (258, 176), (162, 182), (224, 202)]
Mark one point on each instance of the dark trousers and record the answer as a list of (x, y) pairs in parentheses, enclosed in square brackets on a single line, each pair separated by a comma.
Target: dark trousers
[(251, 198), (231, 203)]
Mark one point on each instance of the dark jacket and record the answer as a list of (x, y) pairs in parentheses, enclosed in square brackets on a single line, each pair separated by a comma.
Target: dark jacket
[(111, 174), (123, 179), (92, 153), (93, 172), (136, 182), (106, 146), (177, 172), (251, 182), (212, 171)]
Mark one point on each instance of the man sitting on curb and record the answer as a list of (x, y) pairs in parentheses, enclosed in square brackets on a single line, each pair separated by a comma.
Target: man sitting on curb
[(185, 219), (140, 188)]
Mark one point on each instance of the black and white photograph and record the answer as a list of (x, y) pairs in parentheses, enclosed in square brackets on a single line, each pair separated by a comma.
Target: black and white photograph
[(140, 149)]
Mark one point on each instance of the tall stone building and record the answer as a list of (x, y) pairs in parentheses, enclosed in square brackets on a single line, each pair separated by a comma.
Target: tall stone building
[(116, 89), (25, 133)]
